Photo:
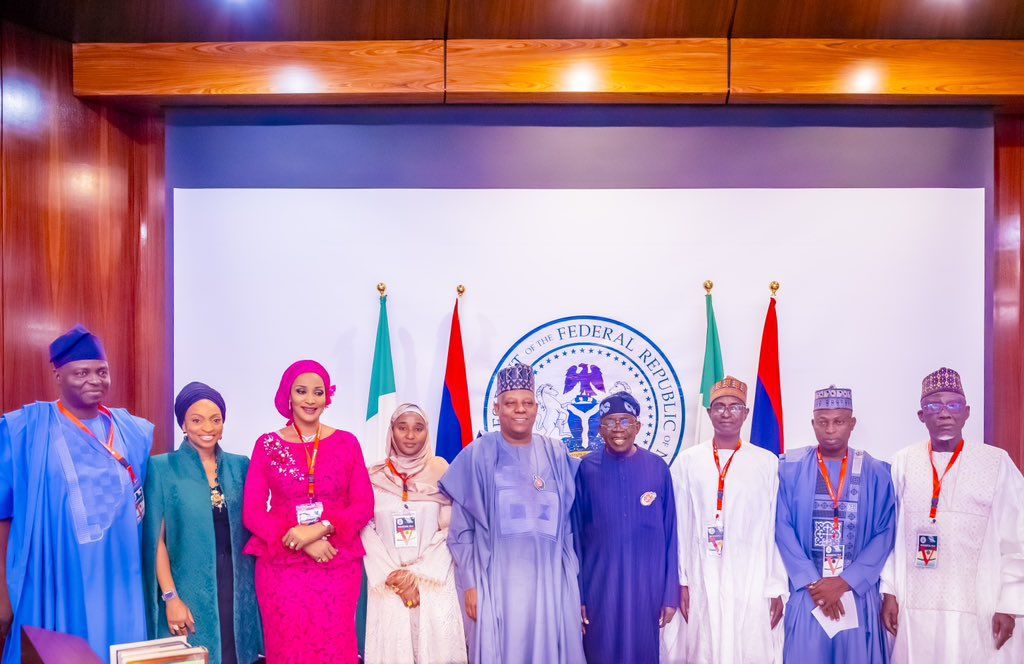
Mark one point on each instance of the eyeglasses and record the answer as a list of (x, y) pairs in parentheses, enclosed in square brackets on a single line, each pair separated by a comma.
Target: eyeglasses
[(735, 409), (954, 407), (612, 425)]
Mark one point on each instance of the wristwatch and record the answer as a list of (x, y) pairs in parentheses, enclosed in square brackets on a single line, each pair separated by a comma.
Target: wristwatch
[(168, 596)]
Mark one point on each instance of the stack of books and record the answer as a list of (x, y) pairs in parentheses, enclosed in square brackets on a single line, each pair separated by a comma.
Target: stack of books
[(172, 650)]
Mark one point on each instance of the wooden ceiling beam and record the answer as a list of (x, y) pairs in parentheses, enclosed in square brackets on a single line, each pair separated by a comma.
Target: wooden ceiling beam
[(585, 71), (877, 71), (234, 73)]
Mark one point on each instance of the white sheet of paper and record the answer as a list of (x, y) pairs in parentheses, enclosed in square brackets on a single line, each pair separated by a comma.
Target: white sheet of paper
[(848, 621)]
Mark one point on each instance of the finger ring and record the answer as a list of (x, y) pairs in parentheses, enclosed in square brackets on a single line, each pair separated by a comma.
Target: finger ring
[(291, 545), (409, 604)]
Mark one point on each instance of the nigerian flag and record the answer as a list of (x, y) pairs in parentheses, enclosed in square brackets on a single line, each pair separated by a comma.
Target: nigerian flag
[(713, 369), (383, 398)]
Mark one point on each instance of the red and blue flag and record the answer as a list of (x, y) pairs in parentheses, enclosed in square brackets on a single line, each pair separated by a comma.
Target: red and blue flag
[(454, 424), (766, 427)]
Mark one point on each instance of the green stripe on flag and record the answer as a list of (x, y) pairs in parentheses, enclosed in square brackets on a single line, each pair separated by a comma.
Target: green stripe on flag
[(713, 369), (382, 373)]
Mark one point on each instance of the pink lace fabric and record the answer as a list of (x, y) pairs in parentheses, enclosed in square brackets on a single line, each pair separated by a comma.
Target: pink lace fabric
[(308, 608)]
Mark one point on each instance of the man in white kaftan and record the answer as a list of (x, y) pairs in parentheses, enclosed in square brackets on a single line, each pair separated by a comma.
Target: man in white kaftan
[(731, 585), (954, 585)]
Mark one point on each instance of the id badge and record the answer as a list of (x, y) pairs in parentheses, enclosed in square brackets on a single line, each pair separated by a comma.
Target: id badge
[(404, 530), (309, 513), (927, 556), (833, 561), (715, 533), (140, 504)]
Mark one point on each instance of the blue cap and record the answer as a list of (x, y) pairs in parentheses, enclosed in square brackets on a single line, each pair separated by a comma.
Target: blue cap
[(620, 402), (76, 344)]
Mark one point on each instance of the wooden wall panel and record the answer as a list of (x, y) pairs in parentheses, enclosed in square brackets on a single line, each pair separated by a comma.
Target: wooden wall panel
[(153, 325), (243, 72), (587, 71), (231, 20), (61, 173), (588, 19), (3, 181), (121, 21), (1007, 398), (819, 71), (880, 19), (77, 181)]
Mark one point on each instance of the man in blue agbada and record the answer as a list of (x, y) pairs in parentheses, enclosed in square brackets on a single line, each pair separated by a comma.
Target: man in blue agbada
[(71, 476), (511, 538), (835, 525), (624, 518)]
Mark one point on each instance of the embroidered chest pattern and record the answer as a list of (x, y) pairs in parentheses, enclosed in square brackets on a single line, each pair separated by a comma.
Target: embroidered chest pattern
[(281, 459)]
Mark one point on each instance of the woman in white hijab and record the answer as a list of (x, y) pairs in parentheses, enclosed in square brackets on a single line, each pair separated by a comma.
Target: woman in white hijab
[(412, 613)]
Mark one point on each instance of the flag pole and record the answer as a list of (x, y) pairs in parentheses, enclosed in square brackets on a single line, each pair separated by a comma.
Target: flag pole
[(767, 427), (382, 398), (454, 421), (697, 436)]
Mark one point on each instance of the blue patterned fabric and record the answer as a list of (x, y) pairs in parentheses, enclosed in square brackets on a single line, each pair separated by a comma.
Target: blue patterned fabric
[(73, 562), (869, 525)]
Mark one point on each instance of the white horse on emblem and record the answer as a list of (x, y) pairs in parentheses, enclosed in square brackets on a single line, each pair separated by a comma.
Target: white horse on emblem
[(553, 415)]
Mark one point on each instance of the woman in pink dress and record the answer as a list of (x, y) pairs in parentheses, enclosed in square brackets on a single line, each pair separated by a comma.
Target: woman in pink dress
[(307, 496)]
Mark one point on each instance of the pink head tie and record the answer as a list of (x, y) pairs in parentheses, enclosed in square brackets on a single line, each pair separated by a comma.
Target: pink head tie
[(283, 400)]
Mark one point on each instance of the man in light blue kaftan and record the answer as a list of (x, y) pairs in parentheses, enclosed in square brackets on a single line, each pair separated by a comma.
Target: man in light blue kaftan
[(835, 525), (71, 476), (511, 538)]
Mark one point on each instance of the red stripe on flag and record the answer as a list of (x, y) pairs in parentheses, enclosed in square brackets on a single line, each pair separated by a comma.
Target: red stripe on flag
[(455, 379), (768, 367)]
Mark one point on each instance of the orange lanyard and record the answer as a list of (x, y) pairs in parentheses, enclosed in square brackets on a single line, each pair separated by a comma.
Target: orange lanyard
[(310, 461), (110, 437), (722, 472), (831, 491), (405, 480), (936, 480)]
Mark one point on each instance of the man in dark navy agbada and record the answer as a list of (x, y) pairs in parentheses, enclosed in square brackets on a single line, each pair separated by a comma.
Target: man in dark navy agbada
[(624, 518)]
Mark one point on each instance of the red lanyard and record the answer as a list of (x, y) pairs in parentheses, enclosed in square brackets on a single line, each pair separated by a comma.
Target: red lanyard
[(828, 485), (722, 472), (405, 480), (310, 461), (110, 437), (936, 480)]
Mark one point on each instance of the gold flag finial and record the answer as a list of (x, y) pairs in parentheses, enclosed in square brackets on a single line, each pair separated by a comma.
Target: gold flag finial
[(774, 287), (460, 289), (708, 285), (382, 289)]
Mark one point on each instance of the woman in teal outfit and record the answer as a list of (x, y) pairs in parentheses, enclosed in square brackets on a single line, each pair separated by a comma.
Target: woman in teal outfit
[(199, 584)]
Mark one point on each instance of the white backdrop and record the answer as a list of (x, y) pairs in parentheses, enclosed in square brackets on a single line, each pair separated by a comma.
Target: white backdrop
[(879, 287)]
